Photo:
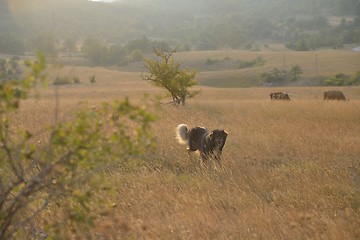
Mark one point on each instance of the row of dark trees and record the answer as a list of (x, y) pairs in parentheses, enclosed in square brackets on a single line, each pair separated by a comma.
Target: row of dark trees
[(200, 25), (282, 77), (345, 33), (102, 53), (98, 51)]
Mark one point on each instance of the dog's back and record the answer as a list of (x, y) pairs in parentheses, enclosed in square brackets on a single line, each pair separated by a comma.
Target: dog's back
[(193, 138), (196, 138)]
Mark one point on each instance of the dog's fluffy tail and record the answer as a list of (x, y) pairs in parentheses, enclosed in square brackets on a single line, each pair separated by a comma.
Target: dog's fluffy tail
[(182, 133)]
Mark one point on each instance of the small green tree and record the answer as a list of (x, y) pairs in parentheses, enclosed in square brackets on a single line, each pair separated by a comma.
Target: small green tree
[(279, 76), (69, 44), (355, 80), (302, 45), (341, 79), (274, 76), (295, 72), (92, 79), (167, 74), (136, 55)]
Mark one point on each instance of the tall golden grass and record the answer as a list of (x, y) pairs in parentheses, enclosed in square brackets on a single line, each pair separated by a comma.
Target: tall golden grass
[(292, 172), (292, 169)]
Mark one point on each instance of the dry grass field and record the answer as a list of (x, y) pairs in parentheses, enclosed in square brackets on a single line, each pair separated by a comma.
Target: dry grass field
[(292, 169)]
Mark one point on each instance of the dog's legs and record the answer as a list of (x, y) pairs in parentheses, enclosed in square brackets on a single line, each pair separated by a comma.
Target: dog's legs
[(218, 159), (217, 156), (190, 155), (204, 160)]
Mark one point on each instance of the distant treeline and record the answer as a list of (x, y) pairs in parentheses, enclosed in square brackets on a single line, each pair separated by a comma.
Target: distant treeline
[(101, 53), (52, 25)]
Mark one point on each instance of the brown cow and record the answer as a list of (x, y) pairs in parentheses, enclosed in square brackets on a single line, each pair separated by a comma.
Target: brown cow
[(334, 95), (279, 96)]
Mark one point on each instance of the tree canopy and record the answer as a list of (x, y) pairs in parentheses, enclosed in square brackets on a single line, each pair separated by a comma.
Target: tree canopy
[(167, 74)]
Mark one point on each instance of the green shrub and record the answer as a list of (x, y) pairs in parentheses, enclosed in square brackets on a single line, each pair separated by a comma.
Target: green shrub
[(341, 79), (136, 55), (210, 61), (259, 61), (274, 76), (76, 80), (92, 79), (62, 80), (50, 180), (282, 76)]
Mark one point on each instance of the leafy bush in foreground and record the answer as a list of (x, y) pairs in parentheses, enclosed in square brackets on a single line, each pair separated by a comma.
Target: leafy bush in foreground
[(33, 178)]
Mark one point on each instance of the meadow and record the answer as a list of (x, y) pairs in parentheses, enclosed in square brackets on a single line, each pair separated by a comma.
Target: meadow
[(316, 65), (292, 169)]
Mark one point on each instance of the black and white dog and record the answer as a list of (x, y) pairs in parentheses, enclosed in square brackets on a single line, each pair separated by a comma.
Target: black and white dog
[(209, 144)]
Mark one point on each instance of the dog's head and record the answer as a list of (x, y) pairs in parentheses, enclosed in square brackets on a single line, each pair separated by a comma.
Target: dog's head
[(218, 138)]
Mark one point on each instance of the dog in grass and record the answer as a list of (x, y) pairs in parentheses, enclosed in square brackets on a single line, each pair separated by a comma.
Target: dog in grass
[(209, 144)]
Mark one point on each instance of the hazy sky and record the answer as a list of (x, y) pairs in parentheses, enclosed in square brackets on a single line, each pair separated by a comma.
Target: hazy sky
[(102, 0)]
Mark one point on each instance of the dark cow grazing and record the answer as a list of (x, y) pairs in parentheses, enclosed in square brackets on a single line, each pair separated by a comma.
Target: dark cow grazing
[(279, 96), (334, 95)]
